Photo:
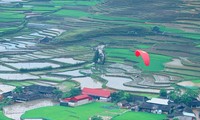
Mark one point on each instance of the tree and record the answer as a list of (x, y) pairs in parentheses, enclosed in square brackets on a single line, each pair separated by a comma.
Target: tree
[(121, 95), (96, 118), (189, 95), (75, 91), (18, 89), (66, 95), (175, 95), (179, 97), (163, 93), (58, 93)]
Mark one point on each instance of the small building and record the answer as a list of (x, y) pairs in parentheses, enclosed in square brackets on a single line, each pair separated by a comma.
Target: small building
[(123, 104), (155, 108), (158, 101), (139, 99), (194, 103), (7, 94), (97, 94), (187, 114), (76, 101)]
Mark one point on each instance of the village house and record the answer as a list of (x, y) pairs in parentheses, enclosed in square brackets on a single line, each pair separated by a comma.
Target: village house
[(136, 100), (76, 101), (195, 103), (97, 94), (124, 104), (31, 92), (182, 112), (155, 108)]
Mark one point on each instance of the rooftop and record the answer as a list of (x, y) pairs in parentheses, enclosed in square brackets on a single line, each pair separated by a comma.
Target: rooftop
[(158, 101), (96, 92)]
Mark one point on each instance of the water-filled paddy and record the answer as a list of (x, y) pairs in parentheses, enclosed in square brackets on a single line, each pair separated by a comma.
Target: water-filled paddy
[(68, 60), (6, 88), (32, 65), (74, 73), (88, 82), (4, 68), (17, 76), (16, 110), (117, 83)]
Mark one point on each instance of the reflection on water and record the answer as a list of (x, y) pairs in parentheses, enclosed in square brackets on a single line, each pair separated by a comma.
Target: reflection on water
[(88, 82), (74, 73), (17, 76), (67, 60), (32, 65), (117, 83), (16, 110)]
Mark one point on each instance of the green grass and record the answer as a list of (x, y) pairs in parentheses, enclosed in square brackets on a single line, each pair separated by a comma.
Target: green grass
[(156, 61), (143, 46), (147, 95), (194, 36), (11, 15), (74, 3), (196, 81), (139, 116), (115, 18), (68, 113), (71, 13), (51, 80), (19, 83), (68, 85), (2, 117)]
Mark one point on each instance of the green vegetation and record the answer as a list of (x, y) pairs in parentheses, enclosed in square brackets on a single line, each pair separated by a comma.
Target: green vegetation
[(163, 92), (19, 83), (196, 81), (35, 69), (68, 113), (72, 13), (96, 118), (73, 92), (194, 36), (186, 97), (2, 117), (10, 16), (139, 116), (122, 54), (148, 95), (74, 3), (142, 46)]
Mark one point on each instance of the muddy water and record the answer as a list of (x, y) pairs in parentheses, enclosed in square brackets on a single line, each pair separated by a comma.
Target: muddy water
[(32, 65), (17, 76), (67, 60), (88, 82), (6, 88), (118, 83), (16, 110), (189, 84), (74, 73)]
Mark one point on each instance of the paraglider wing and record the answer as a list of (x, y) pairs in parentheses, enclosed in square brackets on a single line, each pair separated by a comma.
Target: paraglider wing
[(145, 56)]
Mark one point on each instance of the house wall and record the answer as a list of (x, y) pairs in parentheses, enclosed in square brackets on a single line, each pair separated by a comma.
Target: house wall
[(103, 99), (184, 118), (81, 102)]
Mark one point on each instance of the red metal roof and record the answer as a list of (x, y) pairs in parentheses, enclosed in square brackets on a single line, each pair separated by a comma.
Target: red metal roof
[(78, 98), (96, 92)]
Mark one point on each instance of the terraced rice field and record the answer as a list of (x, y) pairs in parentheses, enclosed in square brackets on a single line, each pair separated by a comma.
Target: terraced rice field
[(88, 23), (63, 34)]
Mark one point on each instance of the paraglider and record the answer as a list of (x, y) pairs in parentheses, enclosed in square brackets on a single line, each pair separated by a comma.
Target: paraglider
[(145, 56)]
